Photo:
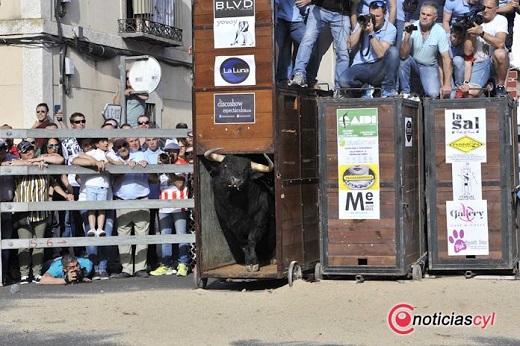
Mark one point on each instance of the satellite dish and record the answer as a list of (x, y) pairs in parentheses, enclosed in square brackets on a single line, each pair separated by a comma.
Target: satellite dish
[(145, 75)]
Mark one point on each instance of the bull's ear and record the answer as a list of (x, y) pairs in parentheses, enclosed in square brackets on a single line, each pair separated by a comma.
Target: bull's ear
[(256, 175)]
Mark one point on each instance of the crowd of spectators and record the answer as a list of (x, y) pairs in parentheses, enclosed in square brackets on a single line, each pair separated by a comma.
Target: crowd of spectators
[(77, 264), (400, 48)]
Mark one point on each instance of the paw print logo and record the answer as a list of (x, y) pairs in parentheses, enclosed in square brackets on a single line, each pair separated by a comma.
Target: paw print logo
[(458, 244)]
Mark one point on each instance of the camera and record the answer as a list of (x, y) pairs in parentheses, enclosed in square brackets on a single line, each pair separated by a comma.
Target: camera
[(469, 19), (164, 158), (410, 28), (80, 274), (364, 19)]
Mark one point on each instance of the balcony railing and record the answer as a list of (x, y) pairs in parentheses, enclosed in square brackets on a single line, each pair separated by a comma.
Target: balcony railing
[(147, 30)]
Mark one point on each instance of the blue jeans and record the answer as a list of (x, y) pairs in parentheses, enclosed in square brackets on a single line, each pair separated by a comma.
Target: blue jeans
[(458, 70), (340, 28), (105, 252), (180, 221), (380, 73), (480, 72), (429, 77), (288, 36), (96, 193)]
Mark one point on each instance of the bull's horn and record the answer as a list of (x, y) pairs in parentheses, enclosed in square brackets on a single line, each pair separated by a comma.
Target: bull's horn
[(210, 154), (263, 168)]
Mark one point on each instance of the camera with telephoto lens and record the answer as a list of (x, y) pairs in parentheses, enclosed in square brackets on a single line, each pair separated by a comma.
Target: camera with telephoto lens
[(364, 19), (164, 158), (410, 28), (469, 19), (80, 274)]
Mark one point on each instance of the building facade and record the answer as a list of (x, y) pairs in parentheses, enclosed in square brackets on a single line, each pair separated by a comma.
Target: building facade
[(67, 53)]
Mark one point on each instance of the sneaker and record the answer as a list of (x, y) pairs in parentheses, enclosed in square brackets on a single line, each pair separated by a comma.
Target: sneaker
[(97, 276), (298, 80), (338, 94), (162, 270), (388, 93), (24, 280), (123, 275), (500, 91), (182, 270), (100, 233), (91, 233), (114, 275), (36, 279), (141, 274), (103, 275), (368, 93)]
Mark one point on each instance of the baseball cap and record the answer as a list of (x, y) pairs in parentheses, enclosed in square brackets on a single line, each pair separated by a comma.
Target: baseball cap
[(171, 145), (24, 146), (2, 142)]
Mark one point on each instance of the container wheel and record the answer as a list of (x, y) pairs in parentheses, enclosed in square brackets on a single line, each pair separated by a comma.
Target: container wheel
[(469, 274), (294, 272), (199, 282), (318, 272), (359, 279), (417, 272)]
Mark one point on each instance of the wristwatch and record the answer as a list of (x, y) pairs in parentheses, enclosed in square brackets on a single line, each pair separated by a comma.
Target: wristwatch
[(482, 34), (370, 36)]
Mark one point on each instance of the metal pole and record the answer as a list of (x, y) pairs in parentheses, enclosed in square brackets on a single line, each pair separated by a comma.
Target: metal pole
[(122, 80)]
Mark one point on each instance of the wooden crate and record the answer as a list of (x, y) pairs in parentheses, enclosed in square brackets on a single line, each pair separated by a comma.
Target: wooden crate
[(495, 184), (354, 244), (283, 124)]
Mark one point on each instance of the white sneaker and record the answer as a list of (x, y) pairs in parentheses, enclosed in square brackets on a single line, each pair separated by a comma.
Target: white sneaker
[(91, 233), (100, 233)]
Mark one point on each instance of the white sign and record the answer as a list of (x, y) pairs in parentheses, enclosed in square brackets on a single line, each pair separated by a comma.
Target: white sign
[(235, 70), (112, 112), (467, 181), (465, 135), (467, 224), (234, 23), (408, 132)]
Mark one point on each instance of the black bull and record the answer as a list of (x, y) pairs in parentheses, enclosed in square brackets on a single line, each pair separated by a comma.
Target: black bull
[(244, 204)]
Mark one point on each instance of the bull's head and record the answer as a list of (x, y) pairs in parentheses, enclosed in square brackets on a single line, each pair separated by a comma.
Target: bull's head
[(235, 170)]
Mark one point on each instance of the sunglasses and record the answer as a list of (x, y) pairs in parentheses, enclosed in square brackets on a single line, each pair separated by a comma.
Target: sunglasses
[(79, 121), (378, 3), (40, 111), (143, 122), (53, 146), (124, 145)]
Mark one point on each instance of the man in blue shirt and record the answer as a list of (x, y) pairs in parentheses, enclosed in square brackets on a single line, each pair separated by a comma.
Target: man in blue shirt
[(376, 59), (67, 270), (126, 187), (419, 51)]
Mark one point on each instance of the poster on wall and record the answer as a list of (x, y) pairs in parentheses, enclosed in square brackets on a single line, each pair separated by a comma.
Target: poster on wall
[(467, 181), (234, 108), (467, 223), (465, 133), (358, 163), (235, 70), (233, 23)]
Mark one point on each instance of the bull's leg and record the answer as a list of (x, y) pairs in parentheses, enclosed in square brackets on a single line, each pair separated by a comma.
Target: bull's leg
[(250, 256)]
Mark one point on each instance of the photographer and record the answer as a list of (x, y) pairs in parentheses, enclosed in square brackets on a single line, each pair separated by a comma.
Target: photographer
[(485, 46), (453, 10), (375, 57), (419, 51), (67, 270)]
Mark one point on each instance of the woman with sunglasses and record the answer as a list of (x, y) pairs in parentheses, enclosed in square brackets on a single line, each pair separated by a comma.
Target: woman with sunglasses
[(42, 120)]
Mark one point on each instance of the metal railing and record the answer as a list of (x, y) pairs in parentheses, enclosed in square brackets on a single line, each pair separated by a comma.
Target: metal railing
[(12, 207)]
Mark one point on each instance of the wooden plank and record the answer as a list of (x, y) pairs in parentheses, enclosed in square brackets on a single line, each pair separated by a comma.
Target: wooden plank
[(352, 261), (361, 250), (386, 236)]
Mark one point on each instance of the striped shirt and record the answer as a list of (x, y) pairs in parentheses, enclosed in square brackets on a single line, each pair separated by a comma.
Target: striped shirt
[(33, 188), (170, 191)]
